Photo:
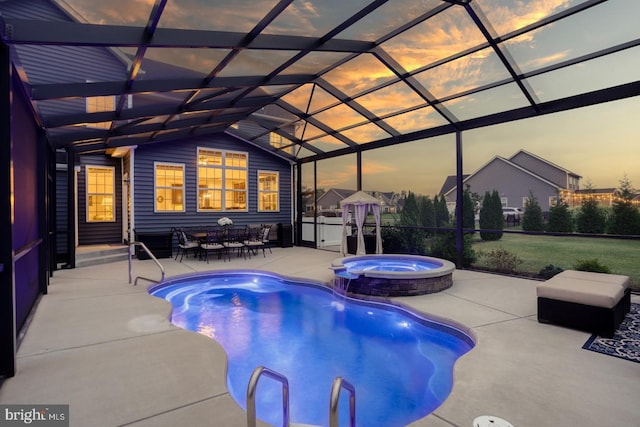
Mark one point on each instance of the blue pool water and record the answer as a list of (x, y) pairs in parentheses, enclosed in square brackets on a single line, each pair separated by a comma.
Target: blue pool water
[(390, 264), (400, 364)]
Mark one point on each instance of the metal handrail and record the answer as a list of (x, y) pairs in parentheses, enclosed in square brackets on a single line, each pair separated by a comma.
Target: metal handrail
[(339, 383), (144, 247), (251, 394)]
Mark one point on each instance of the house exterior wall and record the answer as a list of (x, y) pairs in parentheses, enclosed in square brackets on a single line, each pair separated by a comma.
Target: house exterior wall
[(541, 168), (510, 182), (68, 64), (62, 208), (185, 152), (91, 233), (329, 200)]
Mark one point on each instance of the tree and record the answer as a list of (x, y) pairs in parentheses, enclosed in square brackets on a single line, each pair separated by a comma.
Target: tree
[(560, 219), (427, 212), (491, 216), (409, 221), (625, 218), (590, 218), (532, 218), (468, 210), (442, 212)]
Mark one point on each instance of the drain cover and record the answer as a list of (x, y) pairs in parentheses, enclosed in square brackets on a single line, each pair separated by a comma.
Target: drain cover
[(490, 421)]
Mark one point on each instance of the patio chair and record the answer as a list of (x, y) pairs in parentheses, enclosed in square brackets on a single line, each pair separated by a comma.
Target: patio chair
[(266, 237), (185, 244), (213, 243), (234, 240), (255, 239)]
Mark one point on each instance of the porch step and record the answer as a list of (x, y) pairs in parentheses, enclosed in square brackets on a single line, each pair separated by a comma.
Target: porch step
[(101, 254)]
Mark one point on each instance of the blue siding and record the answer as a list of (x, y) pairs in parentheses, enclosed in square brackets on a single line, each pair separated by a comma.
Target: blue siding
[(90, 233), (185, 152), (61, 64), (62, 222), (34, 9)]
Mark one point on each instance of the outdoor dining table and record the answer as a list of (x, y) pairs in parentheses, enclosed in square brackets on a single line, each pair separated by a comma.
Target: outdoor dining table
[(201, 236)]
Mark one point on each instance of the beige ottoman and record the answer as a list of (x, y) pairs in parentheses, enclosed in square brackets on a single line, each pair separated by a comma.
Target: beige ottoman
[(594, 302)]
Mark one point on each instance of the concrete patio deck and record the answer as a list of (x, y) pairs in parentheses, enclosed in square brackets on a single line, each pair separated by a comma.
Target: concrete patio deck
[(107, 349)]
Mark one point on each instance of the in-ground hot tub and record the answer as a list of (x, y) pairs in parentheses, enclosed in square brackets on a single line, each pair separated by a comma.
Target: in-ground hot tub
[(393, 275)]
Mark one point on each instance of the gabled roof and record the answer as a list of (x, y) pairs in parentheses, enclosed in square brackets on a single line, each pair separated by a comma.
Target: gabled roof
[(540, 159), (450, 183), (510, 164), (307, 62)]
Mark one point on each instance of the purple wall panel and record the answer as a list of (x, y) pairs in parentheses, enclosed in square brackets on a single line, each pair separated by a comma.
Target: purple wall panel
[(26, 272), (25, 162), (25, 230)]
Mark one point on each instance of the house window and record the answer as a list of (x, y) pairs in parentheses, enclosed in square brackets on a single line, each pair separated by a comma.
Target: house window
[(169, 187), (222, 180), (268, 194), (100, 193), (504, 201), (99, 104), (280, 142)]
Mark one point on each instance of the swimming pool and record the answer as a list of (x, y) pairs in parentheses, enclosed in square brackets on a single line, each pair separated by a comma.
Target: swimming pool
[(401, 364)]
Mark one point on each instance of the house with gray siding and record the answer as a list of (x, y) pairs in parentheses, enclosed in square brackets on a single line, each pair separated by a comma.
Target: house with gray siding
[(330, 200), (516, 178), (151, 188)]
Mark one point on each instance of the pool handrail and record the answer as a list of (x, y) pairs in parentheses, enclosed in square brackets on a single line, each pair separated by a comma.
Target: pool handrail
[(144, 247), (338, 384), (251, 394)]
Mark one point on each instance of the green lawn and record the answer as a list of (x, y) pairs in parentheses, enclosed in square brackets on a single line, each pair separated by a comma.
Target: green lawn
[(536, 252)]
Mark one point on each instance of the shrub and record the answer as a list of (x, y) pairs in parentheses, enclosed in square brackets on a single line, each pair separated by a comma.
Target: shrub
[(444, 246), (549, 271), (442, 212), (560, 218), (532, 218), (413, 239), (468, 210), (590, 217), (502, 260), (592, 265), (625, 217), (393, 241), (491, 217), (427, 212)]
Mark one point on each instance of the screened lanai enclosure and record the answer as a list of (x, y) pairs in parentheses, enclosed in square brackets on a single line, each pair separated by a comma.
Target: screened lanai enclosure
[(380, 96)]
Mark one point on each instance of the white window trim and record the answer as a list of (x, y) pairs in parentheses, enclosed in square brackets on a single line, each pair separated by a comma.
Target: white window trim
[(224, 176), (259, 192), (155, 187), (86, 193)]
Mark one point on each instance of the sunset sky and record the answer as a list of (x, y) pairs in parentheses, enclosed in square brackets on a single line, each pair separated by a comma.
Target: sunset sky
[(600, 143)]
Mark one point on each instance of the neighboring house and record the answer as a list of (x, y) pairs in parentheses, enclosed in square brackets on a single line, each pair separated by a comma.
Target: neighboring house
[(604, 196), (330, 200), (516, 178), (190, 180)]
